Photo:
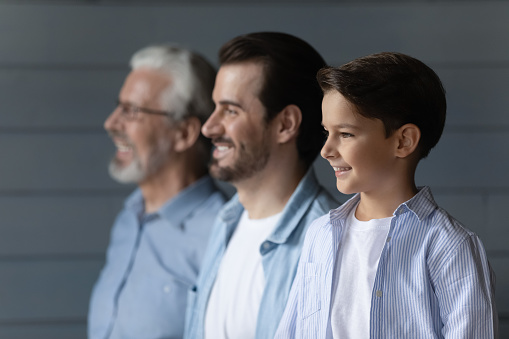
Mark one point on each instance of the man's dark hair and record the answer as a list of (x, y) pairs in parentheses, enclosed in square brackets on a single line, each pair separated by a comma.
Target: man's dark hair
[(394, 88), (289, 77)]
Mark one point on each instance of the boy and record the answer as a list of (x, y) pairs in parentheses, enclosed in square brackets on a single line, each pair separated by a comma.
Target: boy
[(389, 263)]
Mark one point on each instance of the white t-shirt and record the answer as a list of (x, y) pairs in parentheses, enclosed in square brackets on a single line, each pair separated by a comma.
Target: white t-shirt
[(358, 255), (232, 310)]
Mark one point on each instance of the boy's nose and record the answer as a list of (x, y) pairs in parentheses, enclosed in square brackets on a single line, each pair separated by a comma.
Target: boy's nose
[(328, 151)]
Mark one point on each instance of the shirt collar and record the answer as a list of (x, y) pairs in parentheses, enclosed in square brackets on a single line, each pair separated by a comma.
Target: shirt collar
[(134, 203), (232, 210), (180, 207), (422, 205), (229, 216), (297, 206)]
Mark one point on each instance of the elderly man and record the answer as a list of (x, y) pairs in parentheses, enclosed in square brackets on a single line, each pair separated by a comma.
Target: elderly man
[(267, 131), (158, 239)]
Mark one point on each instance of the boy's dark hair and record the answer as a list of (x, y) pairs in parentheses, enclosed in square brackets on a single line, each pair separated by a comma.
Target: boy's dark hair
[(289, 77), (394, 88)]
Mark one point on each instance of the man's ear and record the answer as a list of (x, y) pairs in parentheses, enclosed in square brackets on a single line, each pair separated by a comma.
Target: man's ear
[(289, 120), (186, 134), (408, 137)]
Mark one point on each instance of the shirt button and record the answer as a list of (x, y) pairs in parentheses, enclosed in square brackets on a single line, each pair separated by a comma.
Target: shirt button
[(266, 245), (378, 294), (388, 239), (167, 289)]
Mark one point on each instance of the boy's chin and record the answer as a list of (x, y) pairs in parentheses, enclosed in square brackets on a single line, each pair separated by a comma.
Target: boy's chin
[(345, 190)]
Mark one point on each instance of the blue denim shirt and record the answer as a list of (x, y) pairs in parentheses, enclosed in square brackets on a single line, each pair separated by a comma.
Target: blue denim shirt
[(151, 262), (280, 256)]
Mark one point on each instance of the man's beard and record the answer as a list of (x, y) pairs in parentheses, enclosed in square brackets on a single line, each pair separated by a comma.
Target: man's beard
[(249, 162), (132, 173), (135, 171)]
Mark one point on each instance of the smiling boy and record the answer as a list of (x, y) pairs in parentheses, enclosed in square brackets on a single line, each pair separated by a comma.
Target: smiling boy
[(389, 263)]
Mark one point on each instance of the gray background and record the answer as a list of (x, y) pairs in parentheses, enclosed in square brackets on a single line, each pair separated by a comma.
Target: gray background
[(63, 62)]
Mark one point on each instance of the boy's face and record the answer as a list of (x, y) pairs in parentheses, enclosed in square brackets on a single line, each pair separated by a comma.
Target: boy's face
[(362, 157)]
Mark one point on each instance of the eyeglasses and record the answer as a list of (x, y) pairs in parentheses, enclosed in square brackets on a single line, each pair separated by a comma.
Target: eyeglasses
[(131, 112)]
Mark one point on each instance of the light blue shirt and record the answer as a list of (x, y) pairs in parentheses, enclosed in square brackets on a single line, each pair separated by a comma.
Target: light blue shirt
[(280, 255), (433, 279), (151, 262)]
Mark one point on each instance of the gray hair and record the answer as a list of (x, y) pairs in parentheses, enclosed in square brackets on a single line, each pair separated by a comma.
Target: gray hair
[(190, 94)]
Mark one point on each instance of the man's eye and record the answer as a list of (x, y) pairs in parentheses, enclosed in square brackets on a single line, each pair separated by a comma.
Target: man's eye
[(230, 111), (134, 109), (125, 109), (326, 133)]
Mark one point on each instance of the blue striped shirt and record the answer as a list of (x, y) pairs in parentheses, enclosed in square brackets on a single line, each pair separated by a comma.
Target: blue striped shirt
[(433, 279)]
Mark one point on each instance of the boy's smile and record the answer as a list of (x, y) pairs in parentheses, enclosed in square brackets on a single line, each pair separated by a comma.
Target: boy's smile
[(341, 170), (361, 155)]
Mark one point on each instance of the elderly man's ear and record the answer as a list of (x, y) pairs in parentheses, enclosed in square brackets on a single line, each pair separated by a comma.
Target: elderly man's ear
[(186, 134)]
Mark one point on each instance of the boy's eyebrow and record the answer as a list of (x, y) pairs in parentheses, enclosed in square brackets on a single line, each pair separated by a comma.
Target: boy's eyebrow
[(340, 126)]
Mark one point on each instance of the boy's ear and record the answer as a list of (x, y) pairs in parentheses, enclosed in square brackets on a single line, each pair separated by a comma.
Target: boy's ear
[(186, 134), (408, 139), (289, 120)]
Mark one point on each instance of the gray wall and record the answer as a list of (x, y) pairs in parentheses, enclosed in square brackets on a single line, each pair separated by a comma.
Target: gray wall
[(63, 62)]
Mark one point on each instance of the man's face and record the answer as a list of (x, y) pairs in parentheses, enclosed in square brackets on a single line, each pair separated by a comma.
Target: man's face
[(237, 127), (143, 143)]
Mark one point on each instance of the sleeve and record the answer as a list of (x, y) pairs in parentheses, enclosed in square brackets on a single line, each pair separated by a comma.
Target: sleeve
[(466, 293)]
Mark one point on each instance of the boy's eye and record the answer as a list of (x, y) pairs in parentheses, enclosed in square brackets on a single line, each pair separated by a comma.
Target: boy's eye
[(346, 135), (325, 133)]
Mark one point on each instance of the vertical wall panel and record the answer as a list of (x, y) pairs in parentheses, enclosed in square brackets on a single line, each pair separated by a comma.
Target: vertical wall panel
[(498, 224)]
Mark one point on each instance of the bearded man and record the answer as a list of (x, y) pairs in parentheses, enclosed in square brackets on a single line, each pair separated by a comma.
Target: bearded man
[(158, 239), (266, 129)]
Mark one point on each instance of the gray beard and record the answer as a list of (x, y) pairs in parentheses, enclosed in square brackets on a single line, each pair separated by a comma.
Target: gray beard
[(132, 173)]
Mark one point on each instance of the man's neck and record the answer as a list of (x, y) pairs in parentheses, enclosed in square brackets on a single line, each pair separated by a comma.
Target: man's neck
[(268, 192), (166, 184)]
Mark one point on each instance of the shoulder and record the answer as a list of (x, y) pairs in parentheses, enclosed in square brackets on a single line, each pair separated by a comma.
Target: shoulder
[(448, 243), (434, 225), (126, 220), (214, 201), (206, 191), (444, 228), (203, 201)]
